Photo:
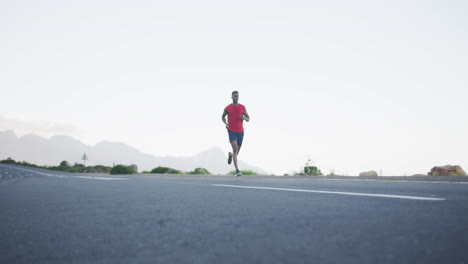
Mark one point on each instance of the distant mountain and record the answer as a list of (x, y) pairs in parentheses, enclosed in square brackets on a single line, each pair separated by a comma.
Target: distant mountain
[(38, 150)]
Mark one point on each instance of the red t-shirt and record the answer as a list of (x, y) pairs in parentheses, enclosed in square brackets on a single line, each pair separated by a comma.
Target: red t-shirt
[(235, 117)]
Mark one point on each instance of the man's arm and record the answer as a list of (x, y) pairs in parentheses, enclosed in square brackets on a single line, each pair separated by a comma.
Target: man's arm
[(246, 116), (223, 117)]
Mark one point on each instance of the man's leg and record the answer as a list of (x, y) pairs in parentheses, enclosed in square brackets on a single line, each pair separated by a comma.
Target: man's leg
[(235, 151), (240, 139)]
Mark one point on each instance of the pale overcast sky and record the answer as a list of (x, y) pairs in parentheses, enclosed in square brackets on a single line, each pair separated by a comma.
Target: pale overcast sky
[(352, 85)]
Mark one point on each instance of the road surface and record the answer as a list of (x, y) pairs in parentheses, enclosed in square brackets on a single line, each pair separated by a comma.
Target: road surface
[(56, 217)]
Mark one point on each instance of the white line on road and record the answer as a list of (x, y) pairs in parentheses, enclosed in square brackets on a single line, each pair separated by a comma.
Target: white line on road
[(81, 177), (100, 178), (342, 193), (402, 181)]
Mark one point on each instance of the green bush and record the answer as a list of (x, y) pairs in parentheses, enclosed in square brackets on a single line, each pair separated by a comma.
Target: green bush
[(27, 164), (312, 171), (121, 169), (101, 169), (9, 161), (167, 170), (63, 166), (22, 163), (56, 168), (89, 170), (202, 171), (77, 168)]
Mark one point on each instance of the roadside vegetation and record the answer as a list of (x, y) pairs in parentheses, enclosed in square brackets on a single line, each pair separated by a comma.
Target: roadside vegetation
[(165, 170), (168, 170), (63, 166), (117, 169), (244, 172), (310, 170), (122, 169), (200, 171)]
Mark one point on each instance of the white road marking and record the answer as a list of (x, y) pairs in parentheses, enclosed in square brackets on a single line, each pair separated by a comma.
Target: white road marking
[(99, 178), (403, 181), (78, 176), (342, 193)]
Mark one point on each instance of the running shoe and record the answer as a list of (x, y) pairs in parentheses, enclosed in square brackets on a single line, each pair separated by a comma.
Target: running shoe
[(238, 173), (230, 158)]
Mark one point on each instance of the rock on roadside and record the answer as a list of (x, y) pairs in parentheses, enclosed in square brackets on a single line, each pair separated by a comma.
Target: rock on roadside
[(447, 170), (368, 173)]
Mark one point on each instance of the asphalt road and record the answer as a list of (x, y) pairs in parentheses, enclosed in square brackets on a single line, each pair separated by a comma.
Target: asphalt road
[(54, 217)]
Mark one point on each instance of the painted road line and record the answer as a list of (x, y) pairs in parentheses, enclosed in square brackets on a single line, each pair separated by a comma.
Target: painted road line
[(403, 181), (78, 176), (340, 193), (100, 178)]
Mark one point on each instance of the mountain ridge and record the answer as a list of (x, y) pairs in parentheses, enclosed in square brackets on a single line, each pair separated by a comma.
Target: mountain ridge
[(50, 152)]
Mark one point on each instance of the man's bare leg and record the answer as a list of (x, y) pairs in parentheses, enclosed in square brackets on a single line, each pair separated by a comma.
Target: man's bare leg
[(235, 151)]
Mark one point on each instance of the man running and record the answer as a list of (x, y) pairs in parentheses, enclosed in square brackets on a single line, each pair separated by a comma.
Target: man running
[(236, 115)]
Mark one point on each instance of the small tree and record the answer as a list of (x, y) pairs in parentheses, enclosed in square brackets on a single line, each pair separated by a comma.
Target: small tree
[(64, 165)]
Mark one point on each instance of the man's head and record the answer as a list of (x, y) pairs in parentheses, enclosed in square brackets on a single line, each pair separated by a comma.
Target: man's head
[(235, 97)]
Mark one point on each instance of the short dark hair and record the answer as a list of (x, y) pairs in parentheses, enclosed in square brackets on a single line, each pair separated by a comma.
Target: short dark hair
[(234, 93)]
